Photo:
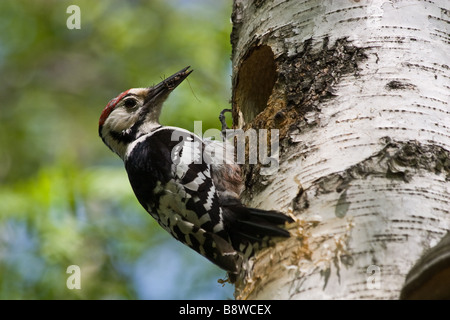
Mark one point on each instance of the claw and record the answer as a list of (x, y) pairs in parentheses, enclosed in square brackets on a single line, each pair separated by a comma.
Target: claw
[(223, 122)]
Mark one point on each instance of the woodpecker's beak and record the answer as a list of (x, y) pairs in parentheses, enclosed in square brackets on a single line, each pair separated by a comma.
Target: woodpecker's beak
[(161, 91)]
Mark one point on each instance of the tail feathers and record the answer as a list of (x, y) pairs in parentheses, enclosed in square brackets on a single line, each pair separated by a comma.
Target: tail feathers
[(256, 225), (271, 216), (260, 228)]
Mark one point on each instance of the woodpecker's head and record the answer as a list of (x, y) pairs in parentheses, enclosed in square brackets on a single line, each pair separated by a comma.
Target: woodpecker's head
[(135, 112)]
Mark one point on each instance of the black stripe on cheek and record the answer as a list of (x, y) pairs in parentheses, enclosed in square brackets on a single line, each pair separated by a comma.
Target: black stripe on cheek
[(123, 136)]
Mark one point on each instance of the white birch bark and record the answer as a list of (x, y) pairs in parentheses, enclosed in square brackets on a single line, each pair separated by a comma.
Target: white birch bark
[(360, 93)]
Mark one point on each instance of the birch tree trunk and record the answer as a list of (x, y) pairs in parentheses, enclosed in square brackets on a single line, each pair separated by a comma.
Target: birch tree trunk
[(359, 91)]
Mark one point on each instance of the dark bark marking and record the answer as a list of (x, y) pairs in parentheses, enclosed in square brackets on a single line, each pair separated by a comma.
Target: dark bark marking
[(399, 85), (398, 160)]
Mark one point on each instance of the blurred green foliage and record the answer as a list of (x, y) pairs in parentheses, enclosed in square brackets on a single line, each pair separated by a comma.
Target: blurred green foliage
[(64, 197)]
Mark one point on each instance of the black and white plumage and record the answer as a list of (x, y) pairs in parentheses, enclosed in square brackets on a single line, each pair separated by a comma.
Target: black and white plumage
[(174, 174)]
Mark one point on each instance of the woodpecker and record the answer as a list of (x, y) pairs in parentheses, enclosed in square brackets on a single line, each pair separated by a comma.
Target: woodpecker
[(175, 179)]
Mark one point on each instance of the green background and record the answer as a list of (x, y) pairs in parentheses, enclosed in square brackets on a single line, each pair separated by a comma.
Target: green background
[(64, 197)]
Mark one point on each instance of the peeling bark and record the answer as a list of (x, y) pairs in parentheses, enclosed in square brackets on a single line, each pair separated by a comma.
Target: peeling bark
[(360, 93)]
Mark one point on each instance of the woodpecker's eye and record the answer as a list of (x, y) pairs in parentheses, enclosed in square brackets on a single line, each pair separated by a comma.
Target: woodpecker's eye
[(130, 103)]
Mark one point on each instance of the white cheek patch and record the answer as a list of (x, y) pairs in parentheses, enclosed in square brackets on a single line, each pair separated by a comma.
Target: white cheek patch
[(120, 119)]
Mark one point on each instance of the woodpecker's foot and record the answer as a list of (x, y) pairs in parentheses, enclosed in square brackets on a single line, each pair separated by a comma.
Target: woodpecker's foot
[(223, 122)]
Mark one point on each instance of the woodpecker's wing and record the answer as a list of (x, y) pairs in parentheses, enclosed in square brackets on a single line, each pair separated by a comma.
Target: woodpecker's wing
[(172, 181)]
